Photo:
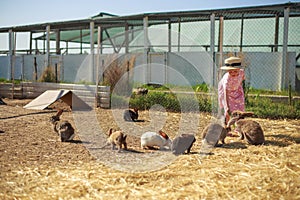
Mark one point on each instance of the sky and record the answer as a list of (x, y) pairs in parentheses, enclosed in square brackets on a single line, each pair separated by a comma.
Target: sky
[(26, 12)]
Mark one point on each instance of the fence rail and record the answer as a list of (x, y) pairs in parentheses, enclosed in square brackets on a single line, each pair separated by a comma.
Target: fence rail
[(31, 90)]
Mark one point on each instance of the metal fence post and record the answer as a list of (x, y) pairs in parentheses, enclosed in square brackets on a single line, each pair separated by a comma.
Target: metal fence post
[(284, 67), (92, 30), (212, 48), (146, 49), (47, 46)]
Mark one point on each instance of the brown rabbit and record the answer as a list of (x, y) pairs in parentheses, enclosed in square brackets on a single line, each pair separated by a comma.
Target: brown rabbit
[(118, 139), (241, 115), (64, 129), (248, 129)]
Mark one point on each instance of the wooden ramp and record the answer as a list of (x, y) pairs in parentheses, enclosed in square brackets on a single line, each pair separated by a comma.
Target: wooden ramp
[(50, 96)]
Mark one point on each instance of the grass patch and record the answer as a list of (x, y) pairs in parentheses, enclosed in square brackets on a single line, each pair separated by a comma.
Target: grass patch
[(263, 107)]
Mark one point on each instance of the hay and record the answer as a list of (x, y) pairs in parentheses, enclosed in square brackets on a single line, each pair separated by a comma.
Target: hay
[(35, 165)]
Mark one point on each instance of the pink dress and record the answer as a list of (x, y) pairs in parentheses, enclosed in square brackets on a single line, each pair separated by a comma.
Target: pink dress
[(231, 87)]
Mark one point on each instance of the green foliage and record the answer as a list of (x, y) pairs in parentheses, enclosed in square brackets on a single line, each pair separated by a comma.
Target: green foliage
[(156, 87), (265, 108), (201, 88), (48, 75), (16, 81), (84, 82), (119, 101), (270, 92), (171, 102)]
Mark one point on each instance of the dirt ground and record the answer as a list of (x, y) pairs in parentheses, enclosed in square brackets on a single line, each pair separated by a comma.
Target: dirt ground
[(36, 165)]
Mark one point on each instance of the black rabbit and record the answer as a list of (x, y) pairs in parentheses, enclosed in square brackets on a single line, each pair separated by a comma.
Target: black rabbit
[(131, 115)]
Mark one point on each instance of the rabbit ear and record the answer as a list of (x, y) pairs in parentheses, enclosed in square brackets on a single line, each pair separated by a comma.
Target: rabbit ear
[(124, 137), (232, 121), (110, 132), (247, 114), (59, 113), (236, 113), (163, 134)]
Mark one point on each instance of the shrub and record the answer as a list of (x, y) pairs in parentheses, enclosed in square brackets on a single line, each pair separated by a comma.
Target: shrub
[(171, 102), (48, 75), (265, 108)]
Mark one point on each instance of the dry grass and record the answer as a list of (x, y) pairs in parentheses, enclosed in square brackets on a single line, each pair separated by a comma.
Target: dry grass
[(35, 165)]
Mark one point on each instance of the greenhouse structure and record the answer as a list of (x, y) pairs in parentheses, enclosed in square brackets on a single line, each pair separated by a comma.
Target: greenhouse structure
[(181, 48)]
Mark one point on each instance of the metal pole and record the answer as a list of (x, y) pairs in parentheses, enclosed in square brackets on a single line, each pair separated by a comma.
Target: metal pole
[(48, 46), (242, 33), (98, 65), (36, 47), (212, 48), (126, 38), (30, 43), (57, 42), (92, 30), (80, 41), (284, 68), (11, 51), (146, 49), (12, 58), (213, 70), (169, 36), (220, 48), (179, 30), (276, 33)]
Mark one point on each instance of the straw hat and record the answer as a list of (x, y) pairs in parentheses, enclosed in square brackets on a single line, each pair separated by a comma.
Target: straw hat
[(232, 63)]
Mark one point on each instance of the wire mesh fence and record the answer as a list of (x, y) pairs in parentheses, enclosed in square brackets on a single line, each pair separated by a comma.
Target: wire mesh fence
[(267, 40)]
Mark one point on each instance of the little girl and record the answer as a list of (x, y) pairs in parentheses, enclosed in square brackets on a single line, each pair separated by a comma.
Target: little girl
[(230, 89)]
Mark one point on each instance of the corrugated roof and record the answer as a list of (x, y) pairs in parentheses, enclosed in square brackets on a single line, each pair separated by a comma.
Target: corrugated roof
[(110, 20), (114, 26)]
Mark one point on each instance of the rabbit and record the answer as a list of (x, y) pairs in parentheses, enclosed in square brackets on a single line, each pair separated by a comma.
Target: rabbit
[(140, 91), (182, 143), (213, 133), (117, 138), (64, 129), (131, 115), (241, 114), (248, 129), (2, 102), (151, 139)]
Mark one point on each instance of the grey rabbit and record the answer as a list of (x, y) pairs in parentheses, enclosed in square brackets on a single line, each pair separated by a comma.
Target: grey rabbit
[(248, 129), (215, 132), (131, 115), (182, 143), (64, 129)]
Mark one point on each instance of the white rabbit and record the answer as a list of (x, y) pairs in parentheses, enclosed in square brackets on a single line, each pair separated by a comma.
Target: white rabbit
[(152, 139)]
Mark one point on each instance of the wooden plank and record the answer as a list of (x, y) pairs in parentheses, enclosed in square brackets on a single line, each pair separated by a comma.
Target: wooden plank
[(32, 90)]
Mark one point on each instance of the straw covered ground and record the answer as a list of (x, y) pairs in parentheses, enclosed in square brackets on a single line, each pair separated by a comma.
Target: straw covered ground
[(36, 165)]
